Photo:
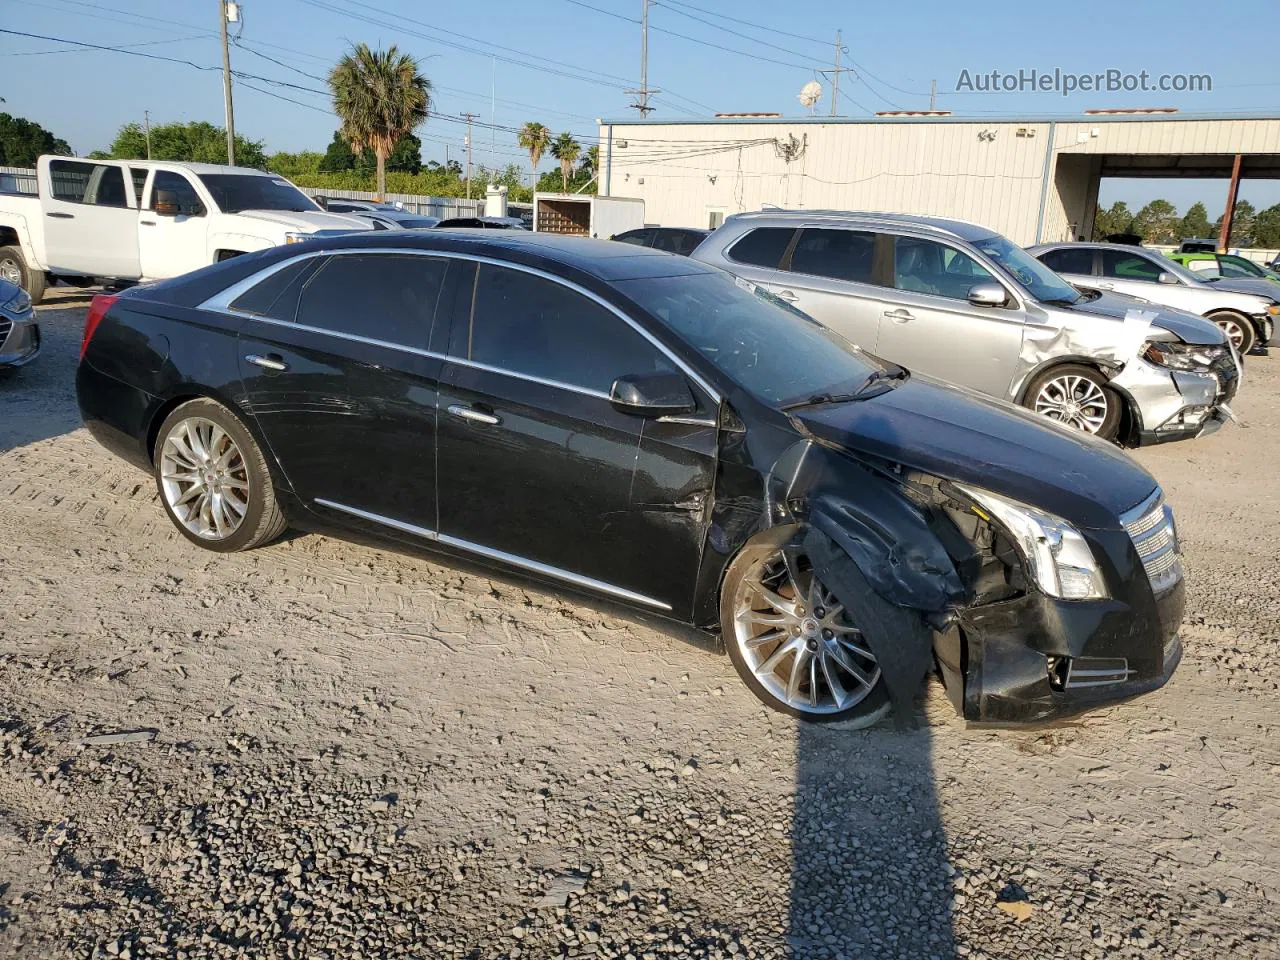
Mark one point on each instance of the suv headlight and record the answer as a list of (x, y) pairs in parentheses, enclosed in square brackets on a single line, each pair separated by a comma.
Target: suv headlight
[(1056, 555), (293, 237), (1176, 356)]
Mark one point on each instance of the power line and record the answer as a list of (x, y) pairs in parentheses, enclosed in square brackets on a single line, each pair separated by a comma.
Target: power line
[(746, 23), (145, 43)]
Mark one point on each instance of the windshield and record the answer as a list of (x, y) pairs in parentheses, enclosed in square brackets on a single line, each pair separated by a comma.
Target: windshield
[(1245, 266), (778, 354), (1032, 275), (234, 192)]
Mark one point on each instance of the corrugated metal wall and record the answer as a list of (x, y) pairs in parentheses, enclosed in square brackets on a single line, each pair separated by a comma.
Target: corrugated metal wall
[(690, 174)]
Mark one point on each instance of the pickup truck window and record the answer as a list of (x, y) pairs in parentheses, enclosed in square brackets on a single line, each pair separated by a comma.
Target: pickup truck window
[(95, 183), (236, 192), (184, 194)]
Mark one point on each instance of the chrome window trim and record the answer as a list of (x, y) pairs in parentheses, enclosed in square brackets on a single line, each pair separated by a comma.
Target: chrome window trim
[(221, 302), (516, 561)]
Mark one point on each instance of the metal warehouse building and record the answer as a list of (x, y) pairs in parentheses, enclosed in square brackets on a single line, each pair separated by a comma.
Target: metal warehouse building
[(1033, 180)]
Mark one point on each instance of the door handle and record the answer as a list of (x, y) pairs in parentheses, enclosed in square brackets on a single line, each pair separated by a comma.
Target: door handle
[(61, 216), (788, 296), (471, 413), (898, 316), (271, 362), (147, 223)]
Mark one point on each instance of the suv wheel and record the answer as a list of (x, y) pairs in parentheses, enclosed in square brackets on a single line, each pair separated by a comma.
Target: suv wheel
[(792, 642), (1077, 396), (1238, 328), (213, 479)]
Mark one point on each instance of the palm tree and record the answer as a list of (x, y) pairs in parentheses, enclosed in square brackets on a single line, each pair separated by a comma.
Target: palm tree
[(566, 150), (534, 137), (590, 164), (380, 96)]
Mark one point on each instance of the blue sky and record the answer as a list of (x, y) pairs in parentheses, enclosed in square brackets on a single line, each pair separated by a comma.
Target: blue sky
[(896, 49)]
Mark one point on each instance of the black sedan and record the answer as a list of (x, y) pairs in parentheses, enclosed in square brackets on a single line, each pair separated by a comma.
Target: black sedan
[(681, 240), (645, 428)]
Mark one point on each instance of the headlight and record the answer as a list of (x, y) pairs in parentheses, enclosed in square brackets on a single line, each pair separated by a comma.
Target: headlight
[(1056, 555), (1273, 310), (1177, 356), (296, 237)]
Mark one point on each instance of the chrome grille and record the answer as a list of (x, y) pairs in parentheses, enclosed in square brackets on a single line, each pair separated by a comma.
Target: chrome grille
[(1151, 528)]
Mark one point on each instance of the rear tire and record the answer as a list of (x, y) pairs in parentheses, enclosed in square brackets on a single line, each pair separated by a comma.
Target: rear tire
[(14, 267), (1076, 396), (1237, 327), (213, 479), (767, 644)]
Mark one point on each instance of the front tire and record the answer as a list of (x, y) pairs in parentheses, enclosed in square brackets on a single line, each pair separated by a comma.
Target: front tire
[(1237, 327), (15, 269), (213, 479), (791, 641), (1077, 396)]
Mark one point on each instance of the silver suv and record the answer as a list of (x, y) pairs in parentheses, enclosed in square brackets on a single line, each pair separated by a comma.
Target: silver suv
[(960, 303), (1247, 318)]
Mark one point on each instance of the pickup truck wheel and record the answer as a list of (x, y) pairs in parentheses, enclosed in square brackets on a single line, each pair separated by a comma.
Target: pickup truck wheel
[(14, 269)]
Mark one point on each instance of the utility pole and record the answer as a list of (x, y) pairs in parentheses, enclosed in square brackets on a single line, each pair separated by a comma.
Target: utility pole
[(835, 72), (933, 95), (469, 117), (642, 102), (146, 123), (226, 10)]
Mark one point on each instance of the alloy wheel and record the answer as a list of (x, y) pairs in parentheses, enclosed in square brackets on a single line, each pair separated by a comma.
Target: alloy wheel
[(797, 639), (9, 270), (1233, 330), (1074, 400), (204, 478)]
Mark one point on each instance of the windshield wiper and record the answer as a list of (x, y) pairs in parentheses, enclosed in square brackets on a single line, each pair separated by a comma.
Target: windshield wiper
[(875, 377)]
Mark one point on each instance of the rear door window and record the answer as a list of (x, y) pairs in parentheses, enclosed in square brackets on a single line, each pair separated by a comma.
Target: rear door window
[(379, 296), (267, 298), (1077, 260), (639, 238), (1123, 265), (99, 184), (763, 247), (541, 329), (926, 266), (835, 254)]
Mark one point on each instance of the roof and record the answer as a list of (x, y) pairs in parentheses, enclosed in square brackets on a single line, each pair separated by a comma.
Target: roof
[(956, 228), (1093, 119)]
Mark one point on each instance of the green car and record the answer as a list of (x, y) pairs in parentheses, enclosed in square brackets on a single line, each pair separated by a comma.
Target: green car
[(1229, 266)]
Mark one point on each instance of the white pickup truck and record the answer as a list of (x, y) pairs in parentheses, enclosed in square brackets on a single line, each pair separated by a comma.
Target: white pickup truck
[(138, 220)]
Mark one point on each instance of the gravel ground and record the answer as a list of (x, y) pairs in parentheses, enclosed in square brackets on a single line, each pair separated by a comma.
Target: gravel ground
[(344, 751)]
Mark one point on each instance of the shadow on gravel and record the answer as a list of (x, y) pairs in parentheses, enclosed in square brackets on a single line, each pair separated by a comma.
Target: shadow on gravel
[(38, 401), (869, 856)]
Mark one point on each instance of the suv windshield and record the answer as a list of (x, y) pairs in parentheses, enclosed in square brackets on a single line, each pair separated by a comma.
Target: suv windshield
[(234, 192), (774, 351), (1032, 275)]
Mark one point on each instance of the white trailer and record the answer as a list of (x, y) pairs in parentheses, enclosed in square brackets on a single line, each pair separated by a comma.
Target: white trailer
[(583, 215)]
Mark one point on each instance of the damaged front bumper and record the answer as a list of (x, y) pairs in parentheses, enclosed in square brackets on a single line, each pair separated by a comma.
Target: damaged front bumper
[(1177, 404)]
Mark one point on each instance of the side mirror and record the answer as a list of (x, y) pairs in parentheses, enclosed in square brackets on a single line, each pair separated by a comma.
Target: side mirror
[(1167, 277), (988, 295), (166, 203), (652, 395)]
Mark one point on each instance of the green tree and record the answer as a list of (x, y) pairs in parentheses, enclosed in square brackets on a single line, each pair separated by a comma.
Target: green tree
[(338, 156), (1195, 223), (295, 164), (22, 141), (406, 155), (1113, 219), (1242, 222), (590, 164), (1266, 227), (566, 150), (194, 142), (380, 96), (534, 137), (1157, 222)]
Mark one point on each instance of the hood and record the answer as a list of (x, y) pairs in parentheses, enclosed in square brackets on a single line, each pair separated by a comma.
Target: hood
[(1186, 326), (308, 221), (1258, 286), (958, 435)]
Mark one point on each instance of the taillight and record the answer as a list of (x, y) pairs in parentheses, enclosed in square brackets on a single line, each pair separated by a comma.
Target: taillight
[(97, 310)]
